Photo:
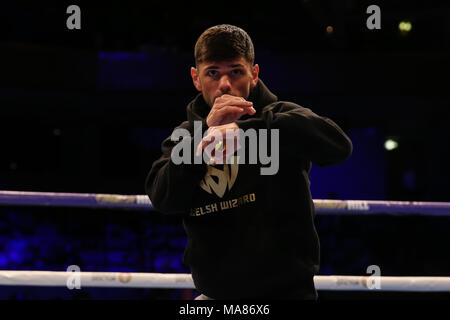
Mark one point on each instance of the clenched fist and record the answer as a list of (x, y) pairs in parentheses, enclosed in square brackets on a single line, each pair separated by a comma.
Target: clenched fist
[(220, 143), (227, 109)]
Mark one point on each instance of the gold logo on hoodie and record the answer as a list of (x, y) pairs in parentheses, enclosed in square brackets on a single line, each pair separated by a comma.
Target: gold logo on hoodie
[(225, 177)]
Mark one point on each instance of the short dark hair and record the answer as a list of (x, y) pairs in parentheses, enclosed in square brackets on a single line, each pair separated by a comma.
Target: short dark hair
[(224, 42)]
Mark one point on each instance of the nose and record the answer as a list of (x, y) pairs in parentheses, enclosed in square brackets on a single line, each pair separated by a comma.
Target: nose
[(225, 84)]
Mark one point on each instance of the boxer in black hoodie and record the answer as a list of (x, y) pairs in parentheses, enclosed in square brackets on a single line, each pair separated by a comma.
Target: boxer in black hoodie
[(250, 236)]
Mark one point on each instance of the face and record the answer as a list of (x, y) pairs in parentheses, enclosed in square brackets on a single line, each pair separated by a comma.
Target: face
[(215, 78)]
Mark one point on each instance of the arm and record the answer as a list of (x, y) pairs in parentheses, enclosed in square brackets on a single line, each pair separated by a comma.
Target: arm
[(169, 185), (303, 133)]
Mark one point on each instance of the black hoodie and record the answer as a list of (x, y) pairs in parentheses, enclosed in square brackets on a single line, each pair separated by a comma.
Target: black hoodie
[(251, 235)]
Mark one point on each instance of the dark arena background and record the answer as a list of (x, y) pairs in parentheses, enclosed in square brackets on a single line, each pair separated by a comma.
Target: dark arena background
[(85, 111)]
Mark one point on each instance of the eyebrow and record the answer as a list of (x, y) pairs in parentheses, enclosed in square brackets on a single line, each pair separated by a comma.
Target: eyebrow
[(239, 65)]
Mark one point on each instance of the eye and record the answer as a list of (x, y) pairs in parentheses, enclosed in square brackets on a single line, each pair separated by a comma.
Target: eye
[(237, 72), (211, 73)]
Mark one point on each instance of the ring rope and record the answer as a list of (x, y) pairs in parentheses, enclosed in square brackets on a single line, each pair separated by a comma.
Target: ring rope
[(142, 202), (160, 280), (184, 281)]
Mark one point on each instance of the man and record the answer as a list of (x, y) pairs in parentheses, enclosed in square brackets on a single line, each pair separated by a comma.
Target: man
[(250, 235)]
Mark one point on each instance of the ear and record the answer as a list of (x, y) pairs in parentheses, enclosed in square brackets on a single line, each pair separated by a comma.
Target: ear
[(255, 72), (195, 79)]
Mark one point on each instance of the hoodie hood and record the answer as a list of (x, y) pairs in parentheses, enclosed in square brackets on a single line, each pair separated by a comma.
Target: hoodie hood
[(260, 95)]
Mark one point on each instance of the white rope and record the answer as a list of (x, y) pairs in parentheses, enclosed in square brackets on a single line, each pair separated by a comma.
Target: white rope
[(142, 202), (96, 279), (180, 281)]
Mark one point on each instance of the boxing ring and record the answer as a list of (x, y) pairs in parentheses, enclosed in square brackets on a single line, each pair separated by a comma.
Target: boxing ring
[(184, 281)]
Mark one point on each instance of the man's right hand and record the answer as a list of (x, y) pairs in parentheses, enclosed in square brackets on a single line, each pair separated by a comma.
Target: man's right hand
[(227, 109)]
